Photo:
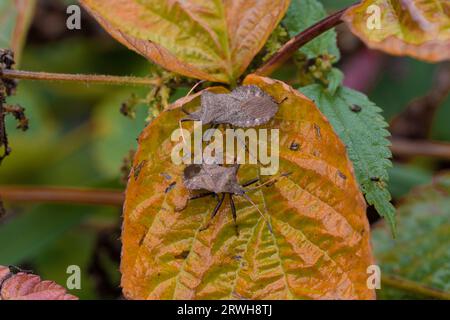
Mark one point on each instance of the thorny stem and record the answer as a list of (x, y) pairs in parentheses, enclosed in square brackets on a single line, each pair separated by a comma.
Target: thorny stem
[(289, 49), (107, 197), (433, 149), (414, 287), (81, 78)]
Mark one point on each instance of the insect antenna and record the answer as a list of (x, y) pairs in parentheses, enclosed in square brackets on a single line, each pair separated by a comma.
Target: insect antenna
[(262, 214), (195, 87), (270, 181), (249, 183), (187, 112)]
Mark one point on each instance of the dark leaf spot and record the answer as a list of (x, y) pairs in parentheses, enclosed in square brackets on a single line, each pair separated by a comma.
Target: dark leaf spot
[(170, 187), (294, 146), (183, 255), (343, 176), (355, 108), (318, 133), (137, 170)]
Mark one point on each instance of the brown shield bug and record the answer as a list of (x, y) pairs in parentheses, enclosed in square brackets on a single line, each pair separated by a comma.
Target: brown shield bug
[(245, 106), (220, 181)]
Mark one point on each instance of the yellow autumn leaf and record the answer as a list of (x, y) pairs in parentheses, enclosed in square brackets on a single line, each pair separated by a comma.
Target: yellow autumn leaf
[(210, 40), (417, 28), (319, 248)]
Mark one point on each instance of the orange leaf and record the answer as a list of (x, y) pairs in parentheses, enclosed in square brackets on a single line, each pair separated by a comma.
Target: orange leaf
[(319, 248), (210, 40), (417, 28), (24, 286)]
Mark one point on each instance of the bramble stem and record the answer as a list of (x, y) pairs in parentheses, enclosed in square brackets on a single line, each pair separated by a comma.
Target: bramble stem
[(414, 287), (107, 197), (288, 50), (426, 148), (81, 78)]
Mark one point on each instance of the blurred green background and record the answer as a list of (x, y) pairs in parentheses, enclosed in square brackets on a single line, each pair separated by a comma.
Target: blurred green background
[(78, 138)]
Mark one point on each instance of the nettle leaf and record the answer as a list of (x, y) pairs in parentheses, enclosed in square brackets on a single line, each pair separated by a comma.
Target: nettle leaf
[(15, 17), (25, 286), (301, 15), (416, 28), (421, 253), (334, 78), (211, 40), (359, 124), (319, 248)]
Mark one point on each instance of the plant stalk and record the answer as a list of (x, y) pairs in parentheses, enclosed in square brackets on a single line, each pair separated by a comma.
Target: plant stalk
[(106, 197), (426, 148), (80, 78), (414, 287), (289, 49)]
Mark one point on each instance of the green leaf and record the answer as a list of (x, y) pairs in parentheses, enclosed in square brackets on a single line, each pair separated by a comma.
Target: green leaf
[(114, 133), (335, 78), (25, 236), (359, 124), (421, 252), (75, 247), (301, 15), (410, 78), (403, 178), (337, 5), (15, 17)]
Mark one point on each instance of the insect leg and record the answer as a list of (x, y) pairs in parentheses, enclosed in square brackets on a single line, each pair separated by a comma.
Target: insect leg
[(16, 270), (210, 133), (248, 150), (270, 181), (233, 212), (214, 213), (195, 87), (184, 110)]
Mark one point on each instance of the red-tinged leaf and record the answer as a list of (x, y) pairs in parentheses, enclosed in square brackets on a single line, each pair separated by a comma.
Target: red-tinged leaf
[(204, 39), (4, 272), (417, 28), (24, 286)]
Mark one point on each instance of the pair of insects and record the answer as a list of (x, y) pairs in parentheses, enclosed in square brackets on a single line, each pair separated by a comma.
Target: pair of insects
[(246, 106)]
